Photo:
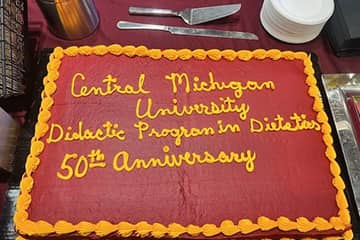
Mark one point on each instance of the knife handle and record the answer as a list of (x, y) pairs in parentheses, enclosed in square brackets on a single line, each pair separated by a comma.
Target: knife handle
[(152, 11), (133, 25)]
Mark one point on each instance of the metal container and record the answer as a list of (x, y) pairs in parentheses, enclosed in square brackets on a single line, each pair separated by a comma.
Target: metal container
[(70, 19), (9, 131), (7, 227), (12, 59)]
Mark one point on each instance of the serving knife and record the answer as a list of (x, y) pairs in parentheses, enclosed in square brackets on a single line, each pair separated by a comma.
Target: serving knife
[(188, 31), (191, 15)]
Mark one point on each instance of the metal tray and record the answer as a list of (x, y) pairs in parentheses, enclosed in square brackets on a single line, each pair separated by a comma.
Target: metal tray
[(342, 92), (336, 89)]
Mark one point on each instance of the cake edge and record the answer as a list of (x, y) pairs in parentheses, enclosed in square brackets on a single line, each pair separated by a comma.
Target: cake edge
[(26, 227)]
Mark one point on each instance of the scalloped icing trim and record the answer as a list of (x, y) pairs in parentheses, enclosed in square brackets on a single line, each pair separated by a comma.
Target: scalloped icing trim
[(125, 229), (348, 235)]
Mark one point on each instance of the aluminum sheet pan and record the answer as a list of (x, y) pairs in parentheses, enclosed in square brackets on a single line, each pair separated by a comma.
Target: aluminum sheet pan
[(340, 90)]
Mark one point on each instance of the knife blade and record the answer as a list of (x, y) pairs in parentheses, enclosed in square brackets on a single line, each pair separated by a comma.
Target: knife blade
[(191, 15), (187, 31)]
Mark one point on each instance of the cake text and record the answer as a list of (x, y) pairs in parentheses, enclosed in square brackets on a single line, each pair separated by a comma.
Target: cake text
[(78, 166), (226, 105), (122, 160), (110, 86), (296, 122), (107, 131), (197, 85)]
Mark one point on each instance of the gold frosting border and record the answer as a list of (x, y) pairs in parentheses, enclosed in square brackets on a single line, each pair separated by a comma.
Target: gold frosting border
[(27, 227)]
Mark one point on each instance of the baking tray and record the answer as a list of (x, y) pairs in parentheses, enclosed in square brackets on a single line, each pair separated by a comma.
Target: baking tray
[(349, 164), (342, 91)]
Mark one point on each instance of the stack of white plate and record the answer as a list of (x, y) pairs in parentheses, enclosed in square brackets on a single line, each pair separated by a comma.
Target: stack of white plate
[(295, 21)]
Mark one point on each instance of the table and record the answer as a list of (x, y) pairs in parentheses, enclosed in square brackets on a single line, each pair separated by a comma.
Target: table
[(111, 11), (247, 19)]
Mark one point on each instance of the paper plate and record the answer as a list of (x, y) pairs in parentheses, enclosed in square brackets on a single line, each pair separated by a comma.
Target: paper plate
[(294, 21), (306, 12)]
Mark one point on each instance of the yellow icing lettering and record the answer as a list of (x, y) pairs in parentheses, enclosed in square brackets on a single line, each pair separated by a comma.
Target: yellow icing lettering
[(110, 87), (295, 122), (153, 162), (56, 133), (95, 159), (179, 133), (256, 126), (107, 130), (228, 127), (75, 78), (64, 166), (188, 158), (124, 158), (122, 161), (145, 109), (209, 158), (253, 86), (82, 162), (196, 85), (178, 79), (176, 133), (248, 158), (223, 158), (142, 127), (170, 160)]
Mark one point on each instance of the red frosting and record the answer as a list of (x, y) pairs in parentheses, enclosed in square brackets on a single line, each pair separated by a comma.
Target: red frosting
[(291, 177)]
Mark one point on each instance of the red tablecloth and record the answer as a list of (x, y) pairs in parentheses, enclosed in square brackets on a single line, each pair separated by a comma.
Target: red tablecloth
[(247, 19), (3, 189)]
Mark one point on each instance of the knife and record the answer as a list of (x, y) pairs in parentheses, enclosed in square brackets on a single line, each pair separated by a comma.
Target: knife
[(187, 31), (191, 15)]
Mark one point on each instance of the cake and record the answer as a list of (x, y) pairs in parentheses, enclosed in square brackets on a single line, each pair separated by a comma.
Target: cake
[(188, 144)]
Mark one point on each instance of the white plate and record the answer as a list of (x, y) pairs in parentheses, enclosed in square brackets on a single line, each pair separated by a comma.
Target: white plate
[(291, 26), (283, 34), (306, 12), (281, 20)]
